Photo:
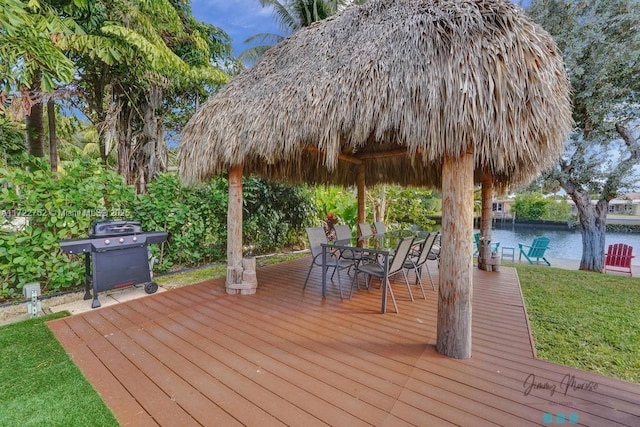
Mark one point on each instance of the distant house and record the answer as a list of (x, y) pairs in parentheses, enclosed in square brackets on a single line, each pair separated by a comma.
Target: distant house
[(629, 204), (502, 208)]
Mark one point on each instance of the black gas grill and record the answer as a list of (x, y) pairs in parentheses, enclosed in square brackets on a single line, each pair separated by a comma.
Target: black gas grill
[(117, 251)]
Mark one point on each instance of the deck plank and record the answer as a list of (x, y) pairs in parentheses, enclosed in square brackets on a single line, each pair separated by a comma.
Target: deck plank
[(121, 402), (154, 401), (288, 356)]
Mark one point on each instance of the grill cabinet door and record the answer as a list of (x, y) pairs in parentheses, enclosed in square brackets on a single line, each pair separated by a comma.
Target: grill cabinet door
[(120, 267)]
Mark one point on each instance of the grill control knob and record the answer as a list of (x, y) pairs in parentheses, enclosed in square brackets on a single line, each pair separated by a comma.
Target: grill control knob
[(135, 238), (106, 242), (121, 240)]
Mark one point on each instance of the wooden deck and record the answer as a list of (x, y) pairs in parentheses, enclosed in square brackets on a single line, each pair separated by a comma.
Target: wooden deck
[(284, 356)]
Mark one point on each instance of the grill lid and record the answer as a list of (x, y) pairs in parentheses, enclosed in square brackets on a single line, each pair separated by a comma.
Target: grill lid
[(110, 228)]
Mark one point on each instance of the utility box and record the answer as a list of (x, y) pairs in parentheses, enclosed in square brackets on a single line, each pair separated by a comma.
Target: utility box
[(32, 291), (30, 288)]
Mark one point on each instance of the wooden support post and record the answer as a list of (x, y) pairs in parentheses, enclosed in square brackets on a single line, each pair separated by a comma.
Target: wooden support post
[(456, 258), (234, 228), (360, 180), (484, 249)]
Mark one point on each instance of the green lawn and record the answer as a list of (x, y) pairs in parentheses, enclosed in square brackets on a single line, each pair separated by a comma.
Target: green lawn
[(40, 385), (586, 320)]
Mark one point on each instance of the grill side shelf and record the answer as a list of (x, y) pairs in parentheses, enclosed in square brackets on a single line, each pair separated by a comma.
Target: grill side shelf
[(155, 237), (76, 246)]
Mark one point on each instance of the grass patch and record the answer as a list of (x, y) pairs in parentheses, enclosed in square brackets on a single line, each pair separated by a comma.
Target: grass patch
[(40, 385), (277, 258), (210, 272), (587, 320), (191, 276)]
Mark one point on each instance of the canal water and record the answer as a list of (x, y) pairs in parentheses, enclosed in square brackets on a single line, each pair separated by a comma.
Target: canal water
[(565, 244)]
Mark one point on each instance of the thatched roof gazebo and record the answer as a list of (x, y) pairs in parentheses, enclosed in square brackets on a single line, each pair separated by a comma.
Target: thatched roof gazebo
[(414, 92)]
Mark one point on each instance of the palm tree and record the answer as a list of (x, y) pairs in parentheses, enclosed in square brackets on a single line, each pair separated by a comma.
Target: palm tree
[(291, 15), (33, 61), (133, 55)]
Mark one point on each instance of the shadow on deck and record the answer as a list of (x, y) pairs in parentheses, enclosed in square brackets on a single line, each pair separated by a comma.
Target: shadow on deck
[(284, 356)]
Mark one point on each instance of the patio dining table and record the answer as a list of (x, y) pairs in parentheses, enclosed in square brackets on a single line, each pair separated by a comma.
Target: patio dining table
[(380, 244)]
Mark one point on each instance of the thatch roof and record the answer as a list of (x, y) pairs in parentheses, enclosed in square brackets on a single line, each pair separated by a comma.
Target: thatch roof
[(415, 79)]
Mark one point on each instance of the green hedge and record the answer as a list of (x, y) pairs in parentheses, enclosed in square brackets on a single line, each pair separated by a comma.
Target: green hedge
[(64, 207), (194, 217), (55, 209)]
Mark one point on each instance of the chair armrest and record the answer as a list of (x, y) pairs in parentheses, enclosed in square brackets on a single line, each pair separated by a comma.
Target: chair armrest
[(331, 254)]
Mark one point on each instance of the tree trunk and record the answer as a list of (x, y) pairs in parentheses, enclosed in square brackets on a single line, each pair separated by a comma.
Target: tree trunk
[(161, 154), (381, 206), (124, 143), (484, 248), (35, 120), (593, 226), (360, 181), (96, 100), (150, 152), (456, 264), (102, 145), (53, 135), (234, 227)]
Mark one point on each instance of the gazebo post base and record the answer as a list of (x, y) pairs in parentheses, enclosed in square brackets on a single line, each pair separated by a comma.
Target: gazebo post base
[(486, 259), (242, 280), (492, 263), (241, 289)]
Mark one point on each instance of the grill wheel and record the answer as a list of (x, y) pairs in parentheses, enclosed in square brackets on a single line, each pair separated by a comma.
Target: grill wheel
[(151, 287)]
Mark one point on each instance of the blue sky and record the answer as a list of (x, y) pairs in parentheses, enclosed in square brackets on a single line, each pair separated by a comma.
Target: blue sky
[(242, 18), (239, 18)]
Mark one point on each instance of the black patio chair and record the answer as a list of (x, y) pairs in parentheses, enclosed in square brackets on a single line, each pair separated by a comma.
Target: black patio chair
[(317, 237), (418, 261), (395, 266), (364, 229)]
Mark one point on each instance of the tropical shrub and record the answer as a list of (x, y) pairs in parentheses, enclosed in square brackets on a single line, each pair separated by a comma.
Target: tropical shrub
[(40, 208), (535, 206), (404, 206), (336, 201), (409, 206), (558, 210), (275, 214), (194, 217), (530, 205), (11, 140)]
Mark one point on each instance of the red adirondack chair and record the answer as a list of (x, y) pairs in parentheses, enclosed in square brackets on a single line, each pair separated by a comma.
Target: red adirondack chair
[(618, 258)]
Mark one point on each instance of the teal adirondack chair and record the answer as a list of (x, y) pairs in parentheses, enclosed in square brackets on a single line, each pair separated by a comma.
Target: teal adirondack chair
[(476, 239), (535, 251)]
